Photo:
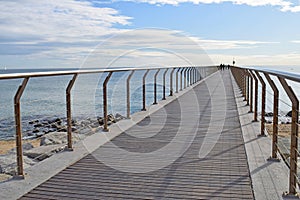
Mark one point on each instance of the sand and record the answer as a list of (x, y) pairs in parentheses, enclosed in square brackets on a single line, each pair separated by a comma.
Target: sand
[(6, 145), (284, 130)]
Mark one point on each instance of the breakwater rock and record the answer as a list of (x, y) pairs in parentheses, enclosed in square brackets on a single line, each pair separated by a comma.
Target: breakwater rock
[(52, 134)]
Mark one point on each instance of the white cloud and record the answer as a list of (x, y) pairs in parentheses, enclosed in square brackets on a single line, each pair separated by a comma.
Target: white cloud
[(284, 5), (56, 21)]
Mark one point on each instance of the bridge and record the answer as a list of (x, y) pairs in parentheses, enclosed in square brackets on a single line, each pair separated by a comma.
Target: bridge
[(199, 143)]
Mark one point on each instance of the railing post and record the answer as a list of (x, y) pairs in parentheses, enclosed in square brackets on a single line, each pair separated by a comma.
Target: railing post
[(195, 75), (191, 76), (188, 77), (69, 111), (181, 78), (263, 104), (275, 116), (155, 87), (294, 136), (105, 126), (244, 84), (128, 94), (255, 96), (164, 84), (177, 79), (185, 77), (251, 92), (18, 122), (247, 86), (171, 81), (144, 89)]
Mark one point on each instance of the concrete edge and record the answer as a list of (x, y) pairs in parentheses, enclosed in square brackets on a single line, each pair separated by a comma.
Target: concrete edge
[(44, 170)]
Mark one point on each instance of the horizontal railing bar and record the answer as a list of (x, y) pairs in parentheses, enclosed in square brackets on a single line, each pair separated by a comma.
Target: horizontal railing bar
[(286, 75), (79, 71)]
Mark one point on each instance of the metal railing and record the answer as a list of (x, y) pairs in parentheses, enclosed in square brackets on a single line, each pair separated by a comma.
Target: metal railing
[(191, 75), (248, 80)]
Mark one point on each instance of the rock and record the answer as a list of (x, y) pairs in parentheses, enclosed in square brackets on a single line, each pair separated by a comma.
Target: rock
[(100, 121), (118, 115), (111, 118), (38, 125), (36, 130), (43, 152), (270, 114), (54, 125), (54, 138), (45, 141), (58, 121), (95, 125), (33, 121), (8, 163), (289, 114), (26, 146), (39, 134)]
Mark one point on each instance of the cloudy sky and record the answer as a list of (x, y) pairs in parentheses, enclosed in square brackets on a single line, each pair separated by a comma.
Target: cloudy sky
[(110, 33)]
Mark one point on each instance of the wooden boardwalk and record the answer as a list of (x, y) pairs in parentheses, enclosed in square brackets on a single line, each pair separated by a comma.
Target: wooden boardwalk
[(191, 149)]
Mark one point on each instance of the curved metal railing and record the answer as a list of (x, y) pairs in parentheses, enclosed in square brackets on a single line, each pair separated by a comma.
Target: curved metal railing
[(191, 75), (249, 79)]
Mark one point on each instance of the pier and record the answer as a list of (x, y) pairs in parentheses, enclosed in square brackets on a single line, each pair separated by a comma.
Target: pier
[(199, 143)]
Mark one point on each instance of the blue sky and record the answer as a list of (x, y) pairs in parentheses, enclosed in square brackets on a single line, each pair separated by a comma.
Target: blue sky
[(99, 33)]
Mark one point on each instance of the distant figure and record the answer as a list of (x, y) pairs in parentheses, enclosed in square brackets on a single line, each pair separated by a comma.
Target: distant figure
[(233, 62)]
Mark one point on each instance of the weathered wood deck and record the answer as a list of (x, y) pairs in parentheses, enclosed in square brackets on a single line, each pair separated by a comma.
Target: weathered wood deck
[(191, 149)]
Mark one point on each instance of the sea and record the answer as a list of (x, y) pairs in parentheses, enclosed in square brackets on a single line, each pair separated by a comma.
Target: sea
[(45, 97)]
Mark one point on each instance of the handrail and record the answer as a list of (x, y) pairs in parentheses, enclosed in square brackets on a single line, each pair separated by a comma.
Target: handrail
[(286, 75), (79, 71)]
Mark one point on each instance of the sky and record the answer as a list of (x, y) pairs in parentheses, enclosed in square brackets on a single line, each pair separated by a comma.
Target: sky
[(134, 33)]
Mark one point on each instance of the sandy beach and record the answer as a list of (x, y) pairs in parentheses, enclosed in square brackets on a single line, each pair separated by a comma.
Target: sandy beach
[(6, 145)]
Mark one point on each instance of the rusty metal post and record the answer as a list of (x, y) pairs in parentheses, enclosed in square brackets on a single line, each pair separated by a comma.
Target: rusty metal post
[(171, 81), (128, 94), (294, 136), (69, 111), (251, 92), (177, 79), (248, 87), (105, 126), (18, 122), (263, 104), (255, 96), (244, 76), (155, 87), (181, 78), (144, 89), (164, 84), (275, 116)]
